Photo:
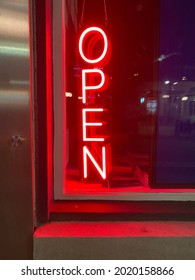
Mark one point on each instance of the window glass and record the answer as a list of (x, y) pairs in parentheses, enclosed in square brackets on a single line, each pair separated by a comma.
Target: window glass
[(176, 99), (124, 96)]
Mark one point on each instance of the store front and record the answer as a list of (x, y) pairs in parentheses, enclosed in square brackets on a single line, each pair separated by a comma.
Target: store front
[(110, 107), (119, 102)]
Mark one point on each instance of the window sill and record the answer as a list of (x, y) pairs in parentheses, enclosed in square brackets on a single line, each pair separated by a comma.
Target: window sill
[(115, 240)]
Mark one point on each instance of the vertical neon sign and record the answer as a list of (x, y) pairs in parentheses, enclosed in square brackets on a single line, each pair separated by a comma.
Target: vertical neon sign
[(93, 81)]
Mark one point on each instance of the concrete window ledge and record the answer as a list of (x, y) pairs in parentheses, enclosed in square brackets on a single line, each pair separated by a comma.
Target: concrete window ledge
[(115, 240)]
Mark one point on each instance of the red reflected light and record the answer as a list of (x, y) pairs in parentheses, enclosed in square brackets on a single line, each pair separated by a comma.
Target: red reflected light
[(116, 229)]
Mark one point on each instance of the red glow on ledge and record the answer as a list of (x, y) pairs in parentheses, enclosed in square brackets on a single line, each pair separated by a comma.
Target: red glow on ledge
[(116, 229)]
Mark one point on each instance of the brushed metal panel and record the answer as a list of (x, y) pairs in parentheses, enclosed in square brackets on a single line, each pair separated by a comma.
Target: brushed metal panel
[(15, 162)]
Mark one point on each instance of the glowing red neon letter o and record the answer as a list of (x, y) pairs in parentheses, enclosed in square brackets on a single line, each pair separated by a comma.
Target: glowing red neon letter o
[(92, 29)]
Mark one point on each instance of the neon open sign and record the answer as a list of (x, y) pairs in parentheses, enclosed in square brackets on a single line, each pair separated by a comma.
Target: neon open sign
[(96, 151)]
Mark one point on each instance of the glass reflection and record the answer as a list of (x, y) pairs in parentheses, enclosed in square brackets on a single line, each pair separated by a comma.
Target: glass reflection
[(130, 99), (176, 98)]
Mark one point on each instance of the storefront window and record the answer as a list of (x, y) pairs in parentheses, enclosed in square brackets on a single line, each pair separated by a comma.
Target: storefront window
[(123, 104)]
